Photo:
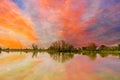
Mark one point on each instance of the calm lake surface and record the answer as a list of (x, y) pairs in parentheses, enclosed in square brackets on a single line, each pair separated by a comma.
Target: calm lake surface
[(59, 66)]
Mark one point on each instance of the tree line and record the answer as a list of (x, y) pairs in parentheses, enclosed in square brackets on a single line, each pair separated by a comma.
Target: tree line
[(63, 46)]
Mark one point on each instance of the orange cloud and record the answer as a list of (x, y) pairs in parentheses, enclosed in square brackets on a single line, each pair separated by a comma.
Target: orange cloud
[(10, 42), (12, 19)]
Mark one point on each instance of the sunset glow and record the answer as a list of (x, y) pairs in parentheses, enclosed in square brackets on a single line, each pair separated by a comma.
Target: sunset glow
[(24, 22)]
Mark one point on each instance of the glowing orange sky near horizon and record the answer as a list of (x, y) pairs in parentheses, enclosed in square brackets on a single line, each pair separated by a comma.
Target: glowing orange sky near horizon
[(42, 22)]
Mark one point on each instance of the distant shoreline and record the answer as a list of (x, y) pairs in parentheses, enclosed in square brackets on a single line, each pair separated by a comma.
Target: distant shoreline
[(47, 50)]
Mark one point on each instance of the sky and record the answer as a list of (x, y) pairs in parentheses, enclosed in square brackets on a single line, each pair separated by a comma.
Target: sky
[(41, 22)]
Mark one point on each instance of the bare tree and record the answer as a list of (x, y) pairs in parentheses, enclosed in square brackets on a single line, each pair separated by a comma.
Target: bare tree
[(92, 47), (103, 47), (118, 46), (61, 45), (35, 47)]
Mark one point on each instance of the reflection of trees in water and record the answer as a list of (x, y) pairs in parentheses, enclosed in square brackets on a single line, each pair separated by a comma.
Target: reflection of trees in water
[(104, 54), (119, 56), (35, 53), (61, 57), (107, 54), (91, 55), (116, 54)]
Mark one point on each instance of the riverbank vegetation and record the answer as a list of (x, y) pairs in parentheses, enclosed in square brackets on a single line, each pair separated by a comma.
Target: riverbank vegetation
[(62, 46)]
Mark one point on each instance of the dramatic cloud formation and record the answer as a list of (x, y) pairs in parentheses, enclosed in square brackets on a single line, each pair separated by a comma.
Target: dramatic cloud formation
[(13, 22), (44, 21)]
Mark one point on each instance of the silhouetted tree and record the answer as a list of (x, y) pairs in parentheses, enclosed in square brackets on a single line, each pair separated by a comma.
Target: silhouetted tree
[(84, 48), (103, 47), (91, 47), (118, 46), (35, 47), (61, 45), (0, 48), (114, 48)]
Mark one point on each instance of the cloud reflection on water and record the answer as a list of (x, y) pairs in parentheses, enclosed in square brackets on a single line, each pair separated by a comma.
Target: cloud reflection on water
[(59, 66)]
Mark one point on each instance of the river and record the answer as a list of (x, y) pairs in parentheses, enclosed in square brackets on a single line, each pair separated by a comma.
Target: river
[(59, 66)]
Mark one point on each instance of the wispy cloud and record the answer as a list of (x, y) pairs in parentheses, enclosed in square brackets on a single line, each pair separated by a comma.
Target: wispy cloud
[(76, 21)]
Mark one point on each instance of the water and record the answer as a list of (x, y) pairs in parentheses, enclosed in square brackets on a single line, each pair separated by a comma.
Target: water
[(59, 66)]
